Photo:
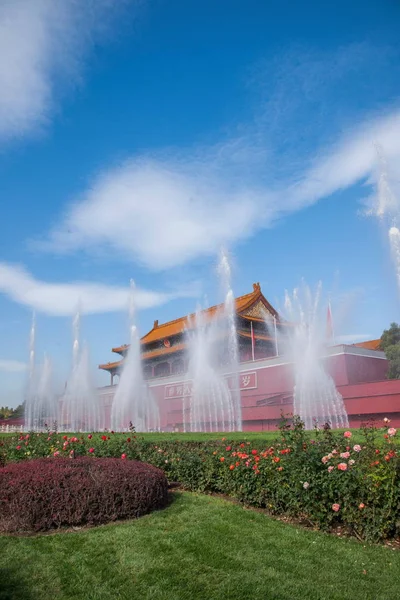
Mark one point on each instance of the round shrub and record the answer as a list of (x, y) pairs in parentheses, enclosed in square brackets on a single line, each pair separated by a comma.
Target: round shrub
[(48, 493)]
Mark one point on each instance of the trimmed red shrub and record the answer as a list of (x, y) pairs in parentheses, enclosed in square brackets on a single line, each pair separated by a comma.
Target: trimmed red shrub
[(48, 493)]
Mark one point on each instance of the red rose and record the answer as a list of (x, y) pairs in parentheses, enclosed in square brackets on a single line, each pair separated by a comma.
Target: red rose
[(123, 456), (254, 452), (91, 450), (104, 438), (90, 436), (128, 440), (228, 448)]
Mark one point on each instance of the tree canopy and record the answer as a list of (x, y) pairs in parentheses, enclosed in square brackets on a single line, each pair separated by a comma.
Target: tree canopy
[(11, 413), (390, 344)]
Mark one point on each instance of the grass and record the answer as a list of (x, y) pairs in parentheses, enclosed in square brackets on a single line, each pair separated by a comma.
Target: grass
[(267, 437), (200, 547)]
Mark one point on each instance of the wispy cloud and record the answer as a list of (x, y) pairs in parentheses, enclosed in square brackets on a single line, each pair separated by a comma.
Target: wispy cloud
[(165, 212), (168, 208), (12, 366), (42, 43), (63, 299)]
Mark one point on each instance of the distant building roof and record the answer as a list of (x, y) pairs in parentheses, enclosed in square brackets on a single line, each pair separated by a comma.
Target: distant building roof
[(369, 345), (253, 306)]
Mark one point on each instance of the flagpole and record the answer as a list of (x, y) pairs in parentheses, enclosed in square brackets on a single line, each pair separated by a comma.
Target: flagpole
[(252, 340), (276, 337)]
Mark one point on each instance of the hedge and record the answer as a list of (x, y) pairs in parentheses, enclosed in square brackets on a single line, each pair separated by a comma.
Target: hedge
[(49, 493)]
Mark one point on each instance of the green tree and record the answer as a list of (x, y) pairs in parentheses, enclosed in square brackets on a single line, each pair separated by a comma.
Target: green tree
[(5, 412), (19, 411), (390, 344), (390, 337), (393, 355)]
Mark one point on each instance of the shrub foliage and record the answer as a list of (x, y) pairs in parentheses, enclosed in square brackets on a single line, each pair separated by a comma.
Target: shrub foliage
[(49, 493), (323, 477)]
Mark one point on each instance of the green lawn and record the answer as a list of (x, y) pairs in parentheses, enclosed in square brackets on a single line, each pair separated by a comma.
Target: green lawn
[(198, 548)]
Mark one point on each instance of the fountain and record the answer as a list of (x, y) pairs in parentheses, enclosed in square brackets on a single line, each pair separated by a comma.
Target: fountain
[(387, 209), (210, 404), (40, 404), (214, 403), (316, 399), (232, 339), (133, 401), (79, 405)]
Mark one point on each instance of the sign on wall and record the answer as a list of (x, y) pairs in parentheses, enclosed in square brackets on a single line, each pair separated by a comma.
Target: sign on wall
[(247, 381)]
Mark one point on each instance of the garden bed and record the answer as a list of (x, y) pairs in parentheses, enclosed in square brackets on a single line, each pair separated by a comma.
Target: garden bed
[(328, 479)]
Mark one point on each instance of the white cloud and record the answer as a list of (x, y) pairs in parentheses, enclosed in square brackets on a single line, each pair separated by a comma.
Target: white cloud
[(159, 214), (41, 43), (166, 212), (12, 366), (63, 299)]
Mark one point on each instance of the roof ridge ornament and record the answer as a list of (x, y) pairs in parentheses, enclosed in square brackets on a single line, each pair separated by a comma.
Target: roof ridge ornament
[(256, 287)]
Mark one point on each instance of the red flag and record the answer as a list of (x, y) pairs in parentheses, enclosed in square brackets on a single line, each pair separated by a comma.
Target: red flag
[(253, 340), (329, 323)]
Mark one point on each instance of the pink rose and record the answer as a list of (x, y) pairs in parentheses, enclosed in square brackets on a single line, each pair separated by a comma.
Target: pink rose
[(342, 467), (90, 436), (392, 431), (123, 456), (347, 434), (330, 469), (345, 455), (324, 459), (357, 448), (56, 453), (386, 420), (351, 462), (91, 450), (334, 452), (361, 506), (336, 507), (18, 447)]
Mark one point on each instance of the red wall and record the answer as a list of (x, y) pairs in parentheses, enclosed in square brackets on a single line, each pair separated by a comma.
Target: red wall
[(360, 379)]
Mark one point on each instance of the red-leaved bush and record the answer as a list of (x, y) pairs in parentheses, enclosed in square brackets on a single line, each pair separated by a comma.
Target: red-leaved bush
[(43, 494)]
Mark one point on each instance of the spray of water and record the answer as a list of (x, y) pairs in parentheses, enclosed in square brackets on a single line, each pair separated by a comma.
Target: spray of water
[(80, 409), (40, 401), (387, 209), (232, 338), (210, 406), (133, 401), (316, 399), (214, 405)]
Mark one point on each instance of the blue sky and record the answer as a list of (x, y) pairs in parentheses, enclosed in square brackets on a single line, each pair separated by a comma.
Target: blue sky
[(137, 138)]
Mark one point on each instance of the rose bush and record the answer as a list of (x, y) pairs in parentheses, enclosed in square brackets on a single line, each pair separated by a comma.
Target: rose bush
[(325, 480)]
